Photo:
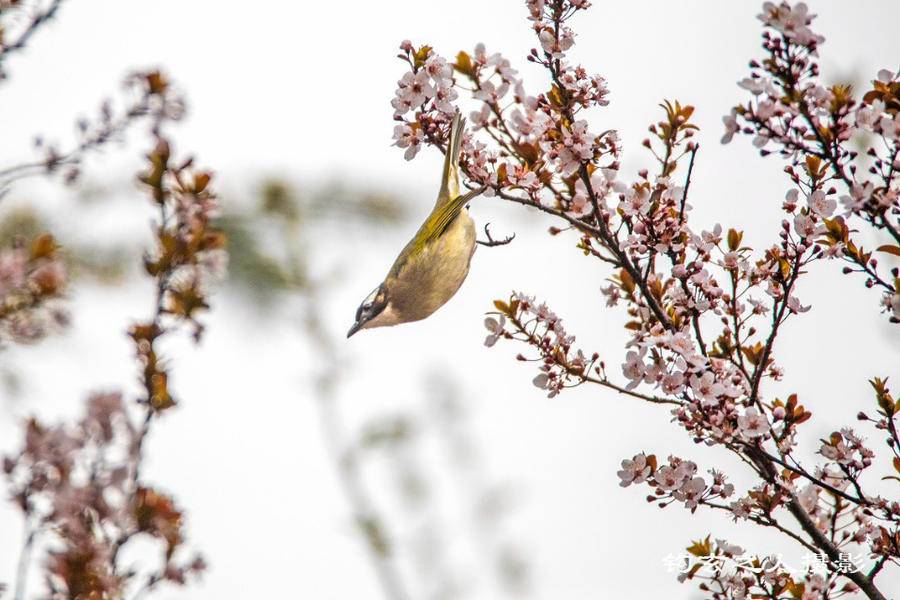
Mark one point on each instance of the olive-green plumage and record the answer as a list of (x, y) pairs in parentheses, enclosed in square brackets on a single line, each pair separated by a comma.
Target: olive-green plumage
[(434, 264)]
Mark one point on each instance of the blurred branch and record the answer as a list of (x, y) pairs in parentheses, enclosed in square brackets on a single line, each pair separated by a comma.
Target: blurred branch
[(488, 499), (24, 560), (270, 240), (35, 21), (153, 98), (278, 200), (345, 461), (81, 481)]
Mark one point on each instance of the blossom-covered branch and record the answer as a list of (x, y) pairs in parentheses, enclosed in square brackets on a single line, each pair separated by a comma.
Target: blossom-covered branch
[(817, 129), (704, 310), (79, 485)]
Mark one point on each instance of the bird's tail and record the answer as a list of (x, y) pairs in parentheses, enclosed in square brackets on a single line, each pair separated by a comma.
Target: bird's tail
[(450, 177)]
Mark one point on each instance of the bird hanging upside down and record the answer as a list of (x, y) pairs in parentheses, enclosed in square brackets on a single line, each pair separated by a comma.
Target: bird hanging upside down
[(434, 264)]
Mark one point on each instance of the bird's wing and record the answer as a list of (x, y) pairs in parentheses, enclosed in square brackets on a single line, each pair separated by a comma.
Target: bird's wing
[(441, 218), (450, 175)]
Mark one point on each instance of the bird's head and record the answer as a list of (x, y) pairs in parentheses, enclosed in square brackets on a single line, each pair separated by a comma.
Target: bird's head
[(371, 308)]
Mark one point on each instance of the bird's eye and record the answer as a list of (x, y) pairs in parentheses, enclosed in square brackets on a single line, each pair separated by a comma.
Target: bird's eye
[(368, 303)]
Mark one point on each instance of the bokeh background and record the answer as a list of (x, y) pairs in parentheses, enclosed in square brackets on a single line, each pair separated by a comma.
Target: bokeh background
[(482, 486)]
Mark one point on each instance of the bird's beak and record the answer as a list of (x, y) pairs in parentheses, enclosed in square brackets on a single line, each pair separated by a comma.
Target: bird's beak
[(356, 327)]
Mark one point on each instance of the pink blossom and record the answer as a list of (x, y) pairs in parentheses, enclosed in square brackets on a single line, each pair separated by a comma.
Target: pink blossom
[(790, 200), (889, 126), (793, 22), (673, 383), (838, 452), (555, 45), (821, 205), (634, 368), (682, 343), (480, 117), (794, 305), (410, 138), (575, 148), (731, 126), (438, 69), (756, 86), (496, 328), (13, 264), (635, 202), (741, 508), (809, 498), (667, 478), (691, 492), (414, 89), (892, 303), (752, 425), (885, 76), (529, 122), (706, 388), (859, 195), (635, 470), (805, 226), (868, 116), (730, 260), (490, 92), (524, 178), (443, 100), (712, 238)]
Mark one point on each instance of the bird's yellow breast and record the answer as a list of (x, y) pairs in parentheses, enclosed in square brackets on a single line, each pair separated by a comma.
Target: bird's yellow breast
[(423, 281)]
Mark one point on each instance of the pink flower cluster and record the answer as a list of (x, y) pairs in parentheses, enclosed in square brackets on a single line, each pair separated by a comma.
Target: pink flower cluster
[(542, 130), (77, 486), (675, 482), (846, 449), (792, 21), (792, 113), (426, 90), (875, 115), (561, 365), (33, 279), (548, 17)]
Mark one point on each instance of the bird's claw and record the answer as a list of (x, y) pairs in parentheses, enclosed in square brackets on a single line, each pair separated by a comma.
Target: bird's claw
[(491, 242)]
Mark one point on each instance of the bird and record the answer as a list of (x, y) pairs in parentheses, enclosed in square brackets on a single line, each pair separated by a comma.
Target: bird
[(434, 264)]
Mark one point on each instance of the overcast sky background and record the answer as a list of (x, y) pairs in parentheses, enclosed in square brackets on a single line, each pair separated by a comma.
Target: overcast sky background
[(302, 90)]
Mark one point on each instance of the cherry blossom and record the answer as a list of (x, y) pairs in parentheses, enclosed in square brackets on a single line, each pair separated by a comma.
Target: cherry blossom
[(496, 328), (410, 138), (635, 470)]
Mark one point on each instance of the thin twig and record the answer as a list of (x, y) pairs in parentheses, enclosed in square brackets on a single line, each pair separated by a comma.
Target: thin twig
[(687, 185)]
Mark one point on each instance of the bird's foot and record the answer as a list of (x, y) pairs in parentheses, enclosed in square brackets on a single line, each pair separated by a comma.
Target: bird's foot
[(491, 242)]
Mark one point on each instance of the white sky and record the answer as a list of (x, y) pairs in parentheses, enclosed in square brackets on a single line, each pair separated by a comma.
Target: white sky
[(303, 88)]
